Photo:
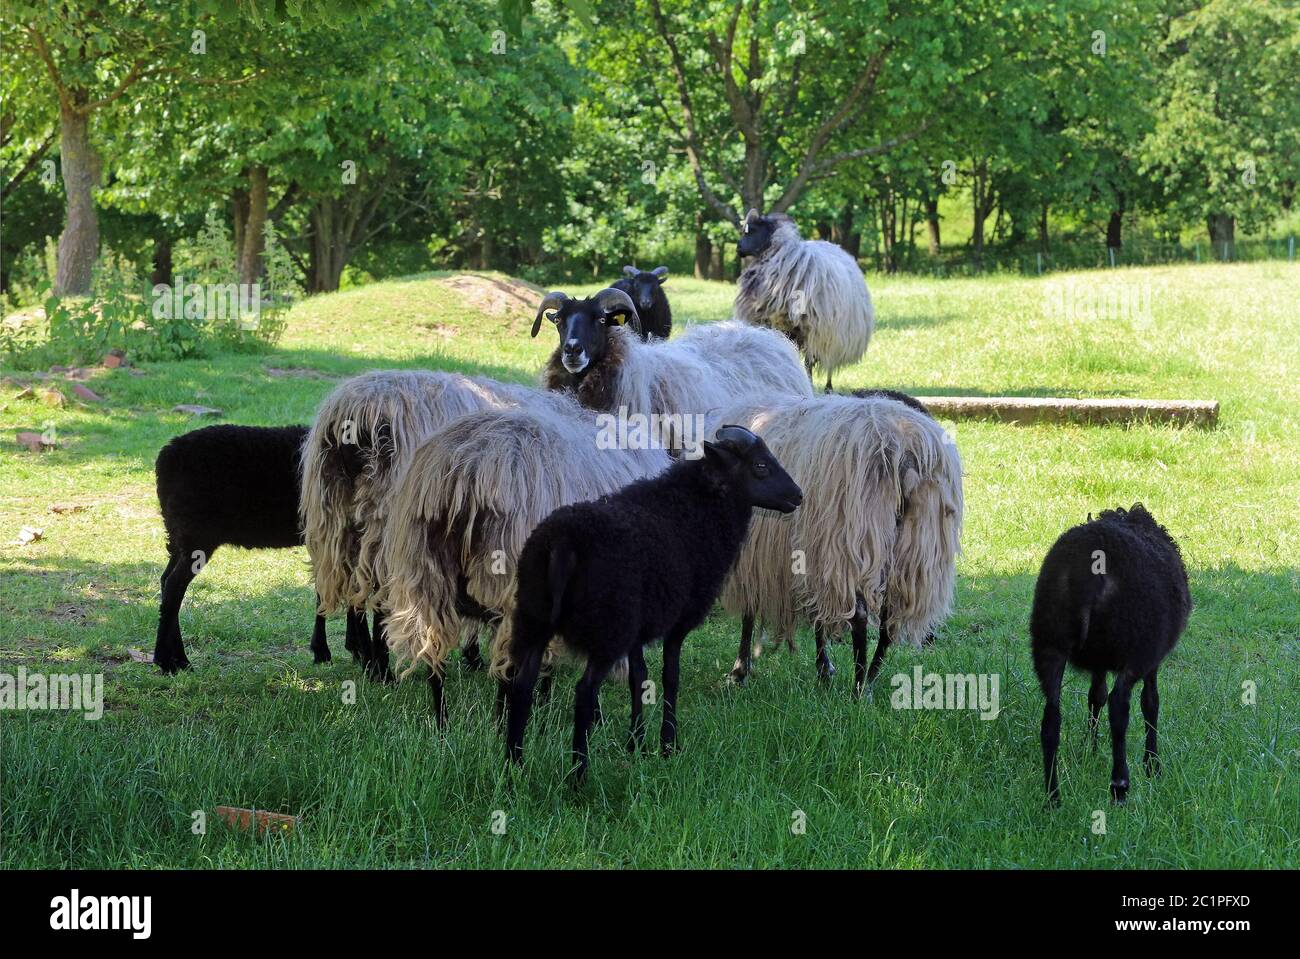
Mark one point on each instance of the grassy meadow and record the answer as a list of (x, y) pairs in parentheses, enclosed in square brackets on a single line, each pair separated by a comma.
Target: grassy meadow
[(256, 724)]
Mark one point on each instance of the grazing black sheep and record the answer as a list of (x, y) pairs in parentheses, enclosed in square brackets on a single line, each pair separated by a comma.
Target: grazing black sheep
[(1112, 596), (681, 531), (898, 397), (227, 485), (654, 317)]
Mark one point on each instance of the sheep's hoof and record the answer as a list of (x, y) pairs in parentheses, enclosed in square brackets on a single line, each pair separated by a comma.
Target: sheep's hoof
[(1054, 800), (172, 667), (825, 670), (319, 657), (1119, 791), (1152, 765), (473, 658), (738, 676)]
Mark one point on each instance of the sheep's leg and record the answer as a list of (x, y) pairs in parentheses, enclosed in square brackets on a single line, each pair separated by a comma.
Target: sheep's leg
[(357, 638), (472, 657), (825, 669), (439, 701), (1150, 710), (584, 712), (528, 646), (1119, 706), (636, 678), (829, 388), (672, 670), (169, 648), (172, 559), (744, 658), (1050, 672), (859, 627), (1096, 700), (378, 666), (808, 365), (882, 644), (319, 646)]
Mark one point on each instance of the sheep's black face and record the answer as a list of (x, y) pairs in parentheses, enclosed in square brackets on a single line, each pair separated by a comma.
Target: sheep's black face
[(645, 284), (583, 325), (755, 234), (752, 470)]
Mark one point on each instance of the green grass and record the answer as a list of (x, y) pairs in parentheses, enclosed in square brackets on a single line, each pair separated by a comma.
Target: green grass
[(256, 724)]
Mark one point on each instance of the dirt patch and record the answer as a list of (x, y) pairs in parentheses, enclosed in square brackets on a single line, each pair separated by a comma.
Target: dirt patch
[(297, 372), (497, 296)]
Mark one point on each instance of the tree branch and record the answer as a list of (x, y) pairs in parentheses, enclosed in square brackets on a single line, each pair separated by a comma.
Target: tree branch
[(29, 165)]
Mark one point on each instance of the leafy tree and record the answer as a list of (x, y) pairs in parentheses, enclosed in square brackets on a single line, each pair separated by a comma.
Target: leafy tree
[(1227, 139)]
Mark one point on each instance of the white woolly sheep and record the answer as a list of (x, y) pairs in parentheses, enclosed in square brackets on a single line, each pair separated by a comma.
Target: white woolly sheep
[(810, 290), (464, 508), (364, 435), (876, 538), (708, 367)]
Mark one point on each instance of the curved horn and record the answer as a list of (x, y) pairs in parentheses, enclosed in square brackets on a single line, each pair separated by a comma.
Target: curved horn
[(661, 272), (612, 302), (753, 214), (631, 270), (735, 438), (554, 300)]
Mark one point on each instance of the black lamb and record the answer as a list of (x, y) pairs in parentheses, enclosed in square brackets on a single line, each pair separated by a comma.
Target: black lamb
[(1112, 596), (681, 531), (227, 485), (645, 287)]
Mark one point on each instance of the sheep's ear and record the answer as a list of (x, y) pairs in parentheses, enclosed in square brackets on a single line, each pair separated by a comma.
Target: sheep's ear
[(631, 270), (720, 456), (661, 272), (911, 479)]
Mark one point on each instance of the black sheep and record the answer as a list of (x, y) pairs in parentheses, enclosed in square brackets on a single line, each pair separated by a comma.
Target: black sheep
[(1112, 596), (898, 397), (227, 485), (645, 287), (681, 531)]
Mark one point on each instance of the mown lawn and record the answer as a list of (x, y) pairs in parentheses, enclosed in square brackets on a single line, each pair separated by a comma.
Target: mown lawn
[(256, 724)]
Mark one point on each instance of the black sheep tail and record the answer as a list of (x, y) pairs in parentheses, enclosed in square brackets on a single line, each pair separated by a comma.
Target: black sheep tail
[(563, 561)]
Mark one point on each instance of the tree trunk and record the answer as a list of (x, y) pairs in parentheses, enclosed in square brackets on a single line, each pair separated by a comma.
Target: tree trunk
[(79, 242), (715, 262), (1114, 230), (239, 216), (162, 261), (1042, 230), (254, 238), (842, 231), (327, 253), (981, 208), (932, 225), (703, 253), (1223, 233)]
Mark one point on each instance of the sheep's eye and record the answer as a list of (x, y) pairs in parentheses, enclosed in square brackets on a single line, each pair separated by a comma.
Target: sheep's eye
[(760, 469), (553, 317)]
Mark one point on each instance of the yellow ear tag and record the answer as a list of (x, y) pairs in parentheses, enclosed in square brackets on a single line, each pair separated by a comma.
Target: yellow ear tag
[(619, 318)]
